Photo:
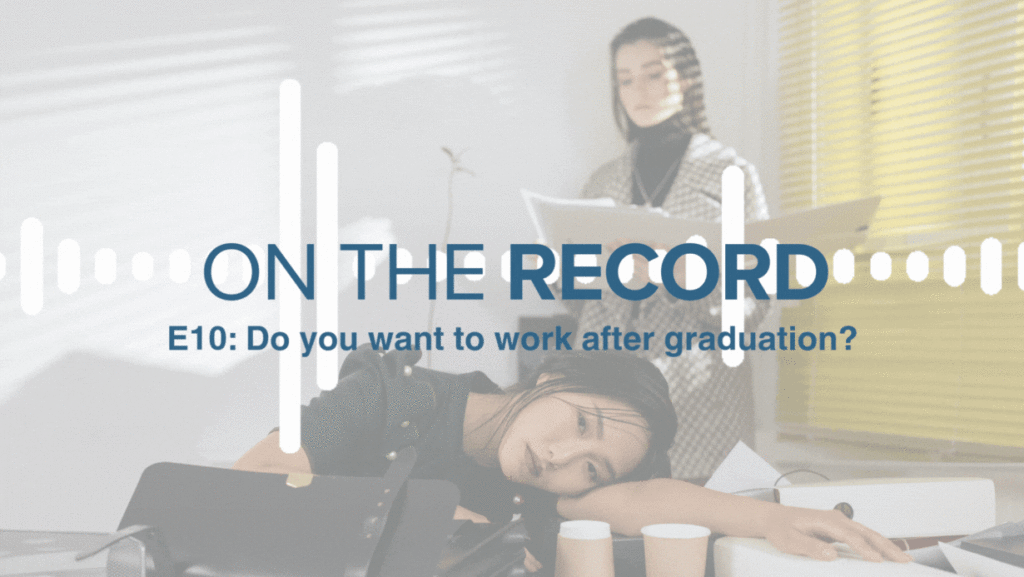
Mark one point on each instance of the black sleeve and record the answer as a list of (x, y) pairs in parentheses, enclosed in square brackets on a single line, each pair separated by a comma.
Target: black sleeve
[(348, 420), (542, 524)]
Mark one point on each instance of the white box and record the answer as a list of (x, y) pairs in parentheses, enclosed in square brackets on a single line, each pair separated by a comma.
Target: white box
[(743, 557), (904, 507)]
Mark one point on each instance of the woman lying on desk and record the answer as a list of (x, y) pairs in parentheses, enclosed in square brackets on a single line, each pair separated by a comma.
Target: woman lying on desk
[(585, 439)]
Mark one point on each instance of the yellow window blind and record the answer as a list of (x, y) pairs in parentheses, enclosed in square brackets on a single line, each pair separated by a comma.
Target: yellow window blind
[(920, 102)]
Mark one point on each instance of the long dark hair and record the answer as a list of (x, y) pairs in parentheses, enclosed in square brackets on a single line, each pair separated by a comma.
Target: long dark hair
[(619, 376), (678, 51)]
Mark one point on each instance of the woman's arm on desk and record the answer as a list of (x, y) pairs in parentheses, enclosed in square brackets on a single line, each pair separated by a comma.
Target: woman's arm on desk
[(630, 506)]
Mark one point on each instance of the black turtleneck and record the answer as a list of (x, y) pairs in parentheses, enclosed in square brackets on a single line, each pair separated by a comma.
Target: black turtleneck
[(658, 151)]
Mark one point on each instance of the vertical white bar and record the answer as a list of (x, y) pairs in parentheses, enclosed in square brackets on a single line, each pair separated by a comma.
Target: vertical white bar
[(69, 266), (732, 233), (3, 265), (991, 266), (1020, 266), (696, 271), (31, 266), (290, 214), (770, 279), (327, 260)]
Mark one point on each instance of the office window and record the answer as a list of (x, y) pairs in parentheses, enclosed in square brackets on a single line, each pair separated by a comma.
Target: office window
[(922, 103)]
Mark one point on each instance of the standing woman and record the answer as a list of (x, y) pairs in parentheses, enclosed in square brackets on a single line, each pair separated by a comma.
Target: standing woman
[(674, 164)]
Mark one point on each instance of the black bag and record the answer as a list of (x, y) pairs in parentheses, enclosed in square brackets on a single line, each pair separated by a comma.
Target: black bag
[(203, 521)]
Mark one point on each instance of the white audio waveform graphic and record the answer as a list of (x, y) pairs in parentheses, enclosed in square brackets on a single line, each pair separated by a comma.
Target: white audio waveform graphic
[(179, 263)]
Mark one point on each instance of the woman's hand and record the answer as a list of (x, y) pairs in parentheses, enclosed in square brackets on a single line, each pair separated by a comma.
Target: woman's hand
[(464, 514), (530, 563), (809, 532)]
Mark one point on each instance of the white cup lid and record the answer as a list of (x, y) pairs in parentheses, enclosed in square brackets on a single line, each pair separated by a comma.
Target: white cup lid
[(585, 530), (676, 531)]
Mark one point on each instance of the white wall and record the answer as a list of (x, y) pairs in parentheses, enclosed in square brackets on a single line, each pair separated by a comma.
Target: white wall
[(145, 127)]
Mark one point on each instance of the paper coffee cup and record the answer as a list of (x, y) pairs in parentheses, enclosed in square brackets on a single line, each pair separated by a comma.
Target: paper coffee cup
[(584, 550), (675, 550)]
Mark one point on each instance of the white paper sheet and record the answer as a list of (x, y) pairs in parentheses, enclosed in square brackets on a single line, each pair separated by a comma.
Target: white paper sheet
[(743, 471), (975, 565)]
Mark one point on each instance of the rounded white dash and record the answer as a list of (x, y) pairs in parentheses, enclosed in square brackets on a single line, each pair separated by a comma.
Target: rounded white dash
[(696, 270), (881, 266), (771, 246), (991, 266), (843, 266), (404, 258), (69, 266), (221, 267), (917, 266), (142, 266), (475, 259), (3, 266), (586, 260), (369, 265), (179, 266), (556, 271), (954, 266), (626, 268), (805, 271), (260, 257), (654, 266), (31, 266), (105, 266), (442, 266)]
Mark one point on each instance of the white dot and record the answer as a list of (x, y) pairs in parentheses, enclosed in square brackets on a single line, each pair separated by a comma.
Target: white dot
[(179, 266), (475, 260), (105, 266), (805, 271), (881, 266), (69, 266), (843, 266), (506, 265), (142, 266), (991, 266), (917, 266)]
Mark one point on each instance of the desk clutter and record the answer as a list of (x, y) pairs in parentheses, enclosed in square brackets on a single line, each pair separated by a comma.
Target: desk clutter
[(945, 524), (189, 521)]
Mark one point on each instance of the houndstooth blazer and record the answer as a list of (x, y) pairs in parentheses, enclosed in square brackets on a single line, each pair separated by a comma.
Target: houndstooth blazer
[(714, 403)]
